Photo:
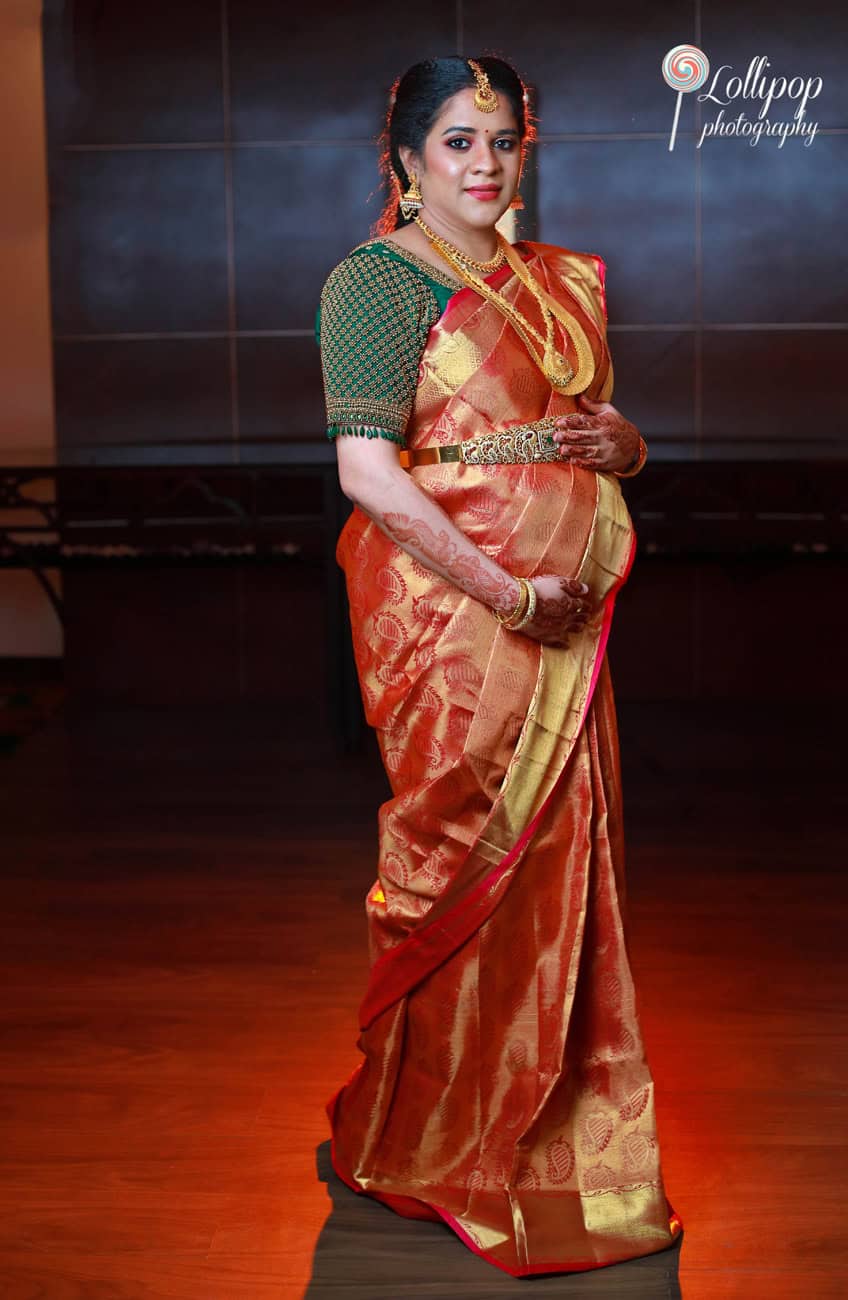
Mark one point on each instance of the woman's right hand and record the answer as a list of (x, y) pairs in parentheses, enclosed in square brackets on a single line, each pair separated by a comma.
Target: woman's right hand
[(562, 607)]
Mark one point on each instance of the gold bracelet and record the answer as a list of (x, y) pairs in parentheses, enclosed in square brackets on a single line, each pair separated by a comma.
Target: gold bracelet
[(531, 607), (640, 461), (520, 607)]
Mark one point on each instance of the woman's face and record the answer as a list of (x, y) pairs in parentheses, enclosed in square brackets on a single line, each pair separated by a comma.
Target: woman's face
[(471, 164)]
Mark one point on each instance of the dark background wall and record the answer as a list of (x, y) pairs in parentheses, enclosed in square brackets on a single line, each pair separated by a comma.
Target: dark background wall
[(209, 162)]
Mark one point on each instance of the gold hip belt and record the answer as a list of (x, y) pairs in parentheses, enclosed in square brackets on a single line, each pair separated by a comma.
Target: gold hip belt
[(520, 445)]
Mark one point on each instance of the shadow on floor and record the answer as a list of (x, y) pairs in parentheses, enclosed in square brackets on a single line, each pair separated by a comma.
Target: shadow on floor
[(367, 1252)]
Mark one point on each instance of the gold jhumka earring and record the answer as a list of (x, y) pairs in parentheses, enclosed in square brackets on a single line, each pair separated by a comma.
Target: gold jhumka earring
[(517, 203), (412, 201), (484, 98)]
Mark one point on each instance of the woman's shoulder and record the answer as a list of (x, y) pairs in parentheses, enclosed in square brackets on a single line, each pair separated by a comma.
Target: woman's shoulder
[(560, 257), (584, 272), (358, 271), (378, 289), (381, 264)]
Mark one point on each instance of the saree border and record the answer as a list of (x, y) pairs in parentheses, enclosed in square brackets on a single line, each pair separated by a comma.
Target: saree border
[(410, 1207)]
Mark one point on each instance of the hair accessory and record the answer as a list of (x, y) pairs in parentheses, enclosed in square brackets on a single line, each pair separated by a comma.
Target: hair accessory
[(412, 201), (485, 98)]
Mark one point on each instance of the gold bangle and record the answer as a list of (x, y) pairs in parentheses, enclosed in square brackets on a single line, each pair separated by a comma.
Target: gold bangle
[(531, 607), (640, 461), (520, 606)]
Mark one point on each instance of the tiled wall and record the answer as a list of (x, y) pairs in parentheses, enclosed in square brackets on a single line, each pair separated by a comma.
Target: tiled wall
[(210, 161)]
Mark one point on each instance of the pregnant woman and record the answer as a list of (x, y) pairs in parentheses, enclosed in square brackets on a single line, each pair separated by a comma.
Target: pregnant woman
[(504, 1087)]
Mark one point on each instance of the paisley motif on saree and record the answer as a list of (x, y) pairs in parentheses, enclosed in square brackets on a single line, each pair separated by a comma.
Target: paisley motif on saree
[(504, 1087)]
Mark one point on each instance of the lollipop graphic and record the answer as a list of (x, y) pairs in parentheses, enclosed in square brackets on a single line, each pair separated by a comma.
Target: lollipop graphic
[(684, 68)]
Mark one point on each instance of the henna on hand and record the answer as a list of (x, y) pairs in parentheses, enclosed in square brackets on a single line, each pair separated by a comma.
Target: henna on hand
[(563, 606), (414, 521), (474, 573), (603, 440), (548, 616)]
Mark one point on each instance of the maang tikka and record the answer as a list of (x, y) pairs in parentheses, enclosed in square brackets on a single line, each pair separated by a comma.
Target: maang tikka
[(484, 97)]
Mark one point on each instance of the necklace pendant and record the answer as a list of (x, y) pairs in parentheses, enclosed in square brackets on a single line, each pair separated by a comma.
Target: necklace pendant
[(560, 376), (564, 372)]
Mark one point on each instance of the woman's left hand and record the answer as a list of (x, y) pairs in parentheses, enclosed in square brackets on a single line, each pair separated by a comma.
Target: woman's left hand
[(597, 437)]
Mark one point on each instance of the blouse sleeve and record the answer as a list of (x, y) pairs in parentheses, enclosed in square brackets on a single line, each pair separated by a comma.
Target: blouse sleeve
[(373, 323)]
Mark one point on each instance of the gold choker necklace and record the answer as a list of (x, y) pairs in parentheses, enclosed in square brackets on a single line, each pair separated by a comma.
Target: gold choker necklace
[(556, 368), (486, 268)]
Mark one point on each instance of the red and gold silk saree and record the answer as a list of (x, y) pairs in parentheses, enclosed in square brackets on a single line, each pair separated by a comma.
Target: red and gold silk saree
[(504, 1087)]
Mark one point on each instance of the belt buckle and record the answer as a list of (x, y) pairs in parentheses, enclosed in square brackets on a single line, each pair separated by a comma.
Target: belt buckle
[(521, 445)]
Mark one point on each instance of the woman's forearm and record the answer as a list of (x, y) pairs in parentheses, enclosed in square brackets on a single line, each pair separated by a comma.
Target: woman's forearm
[(416, 523)]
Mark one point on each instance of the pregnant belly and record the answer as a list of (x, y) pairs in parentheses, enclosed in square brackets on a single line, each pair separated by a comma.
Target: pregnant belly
[(543, 518)]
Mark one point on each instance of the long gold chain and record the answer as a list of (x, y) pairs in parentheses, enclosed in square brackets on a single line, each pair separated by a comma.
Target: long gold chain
[(493, 264), (556, 368)]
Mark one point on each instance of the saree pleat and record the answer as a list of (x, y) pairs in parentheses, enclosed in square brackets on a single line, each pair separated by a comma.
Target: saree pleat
[(504, 1087)]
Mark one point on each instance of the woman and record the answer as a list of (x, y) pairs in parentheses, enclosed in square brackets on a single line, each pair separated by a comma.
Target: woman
[(504, 1088)]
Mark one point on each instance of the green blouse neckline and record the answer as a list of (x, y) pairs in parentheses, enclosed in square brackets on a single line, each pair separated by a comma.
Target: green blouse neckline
[(388, 248)]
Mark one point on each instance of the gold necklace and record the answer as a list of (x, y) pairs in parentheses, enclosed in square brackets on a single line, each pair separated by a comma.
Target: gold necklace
[(556, 368), (441, 244), (560, 373)]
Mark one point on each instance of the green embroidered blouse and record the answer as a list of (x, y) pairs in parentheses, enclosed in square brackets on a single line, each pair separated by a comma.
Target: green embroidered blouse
[(377, 308)]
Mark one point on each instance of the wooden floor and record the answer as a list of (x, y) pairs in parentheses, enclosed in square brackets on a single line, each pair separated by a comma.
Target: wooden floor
[(182, 960)]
